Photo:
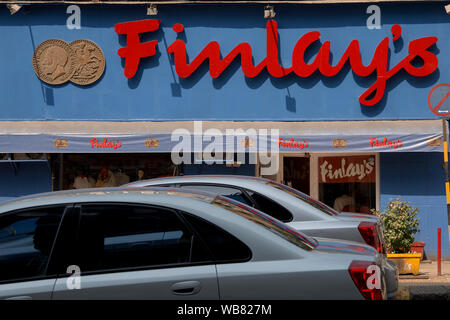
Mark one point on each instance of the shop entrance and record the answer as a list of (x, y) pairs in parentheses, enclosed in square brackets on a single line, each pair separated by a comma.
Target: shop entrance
[(296, 173), (348, 182)]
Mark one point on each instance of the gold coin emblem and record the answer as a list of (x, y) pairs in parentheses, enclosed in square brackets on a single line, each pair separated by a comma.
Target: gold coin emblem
[(152, 143), (90, 62), (60, 143), (339, 143), (436, 142), (54, 61)]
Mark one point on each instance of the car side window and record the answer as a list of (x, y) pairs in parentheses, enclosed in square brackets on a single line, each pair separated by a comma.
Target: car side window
[(132, 236), (65, 249), (270, 207), (229, 192), (26, 241), (224, 246)]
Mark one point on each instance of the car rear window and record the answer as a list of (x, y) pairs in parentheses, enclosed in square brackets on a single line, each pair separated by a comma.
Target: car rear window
[(300, 195), (266, 221)]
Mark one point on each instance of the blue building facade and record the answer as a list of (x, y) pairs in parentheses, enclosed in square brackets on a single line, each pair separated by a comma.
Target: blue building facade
[(288, 99)]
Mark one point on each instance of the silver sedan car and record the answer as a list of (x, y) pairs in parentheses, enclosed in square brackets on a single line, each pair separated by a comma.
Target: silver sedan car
[(293, 207), (162, 243)]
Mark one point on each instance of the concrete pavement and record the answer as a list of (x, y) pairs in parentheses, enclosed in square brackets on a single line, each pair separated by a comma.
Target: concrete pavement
[(427, 285)]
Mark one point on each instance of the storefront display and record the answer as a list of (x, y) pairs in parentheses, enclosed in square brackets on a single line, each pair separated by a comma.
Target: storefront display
[(347, 114), (348, 183), (112, 170)]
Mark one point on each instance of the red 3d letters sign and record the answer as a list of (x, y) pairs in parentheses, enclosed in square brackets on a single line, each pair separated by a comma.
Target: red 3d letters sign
[(135, 50)]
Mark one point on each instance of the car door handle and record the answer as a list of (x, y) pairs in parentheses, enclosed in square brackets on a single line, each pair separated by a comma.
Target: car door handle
[(186, 287), (20, 298)]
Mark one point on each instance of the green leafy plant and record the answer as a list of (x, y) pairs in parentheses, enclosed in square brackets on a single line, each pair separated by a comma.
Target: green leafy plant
[(400, 225)]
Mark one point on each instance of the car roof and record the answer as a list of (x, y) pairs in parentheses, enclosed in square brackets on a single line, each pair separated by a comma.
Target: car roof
[(256, 184), (204, 178), (102, 194), (259, 238)]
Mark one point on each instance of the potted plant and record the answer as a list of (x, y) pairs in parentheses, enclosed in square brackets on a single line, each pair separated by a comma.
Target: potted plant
[(400, 227)]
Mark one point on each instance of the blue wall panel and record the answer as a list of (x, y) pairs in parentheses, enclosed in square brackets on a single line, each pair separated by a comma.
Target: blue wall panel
[(418, 178), (32, 177)]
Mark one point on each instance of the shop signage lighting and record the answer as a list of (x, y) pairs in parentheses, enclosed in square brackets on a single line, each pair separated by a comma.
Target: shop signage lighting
[(418, 48)]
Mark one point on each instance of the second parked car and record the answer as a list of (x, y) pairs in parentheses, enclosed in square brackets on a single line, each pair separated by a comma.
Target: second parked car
[(293, 207)]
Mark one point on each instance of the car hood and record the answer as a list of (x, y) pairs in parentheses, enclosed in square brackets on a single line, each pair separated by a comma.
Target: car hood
[(343, 246)]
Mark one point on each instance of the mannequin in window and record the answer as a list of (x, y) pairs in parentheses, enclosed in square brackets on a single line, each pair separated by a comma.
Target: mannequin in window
[(106, 178), (81, 181), (344, 203)]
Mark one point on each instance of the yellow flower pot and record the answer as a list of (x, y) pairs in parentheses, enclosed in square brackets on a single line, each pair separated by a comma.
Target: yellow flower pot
[(406, 262)]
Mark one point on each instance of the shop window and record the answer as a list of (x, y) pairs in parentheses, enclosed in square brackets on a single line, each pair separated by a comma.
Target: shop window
[(296, 173), (30, 156), (26, 240), (348, 183), (23, 156), (80, 171)]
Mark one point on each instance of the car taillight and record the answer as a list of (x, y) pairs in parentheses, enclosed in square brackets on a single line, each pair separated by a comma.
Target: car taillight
[(360, 276), (368, 231)]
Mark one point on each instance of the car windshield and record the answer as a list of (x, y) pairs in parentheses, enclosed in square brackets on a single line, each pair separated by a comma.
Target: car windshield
[(266, 221), (300, 195)]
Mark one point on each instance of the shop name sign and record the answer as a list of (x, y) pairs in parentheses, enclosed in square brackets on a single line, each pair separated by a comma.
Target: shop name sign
[(385, 142), (418, 48), (292, 143), (347, 169), (105, 143)]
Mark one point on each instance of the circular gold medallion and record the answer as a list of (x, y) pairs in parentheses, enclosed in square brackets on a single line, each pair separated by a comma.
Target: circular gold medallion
[(90, 62), (436, 142), (152, 143), (54, 61), (339, 143), (60, 143)]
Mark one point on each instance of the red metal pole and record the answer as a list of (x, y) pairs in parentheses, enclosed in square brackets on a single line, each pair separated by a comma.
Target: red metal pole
[(439, 253)]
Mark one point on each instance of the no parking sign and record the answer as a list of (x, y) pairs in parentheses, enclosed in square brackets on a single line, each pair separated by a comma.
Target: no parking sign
[(439, 101)]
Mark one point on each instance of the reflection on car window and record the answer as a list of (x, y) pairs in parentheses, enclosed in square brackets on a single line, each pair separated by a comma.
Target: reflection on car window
[(266, 221), (300, 195), (225, 191), (127, 236), (224, 246), (270, 207), (26, 240)]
